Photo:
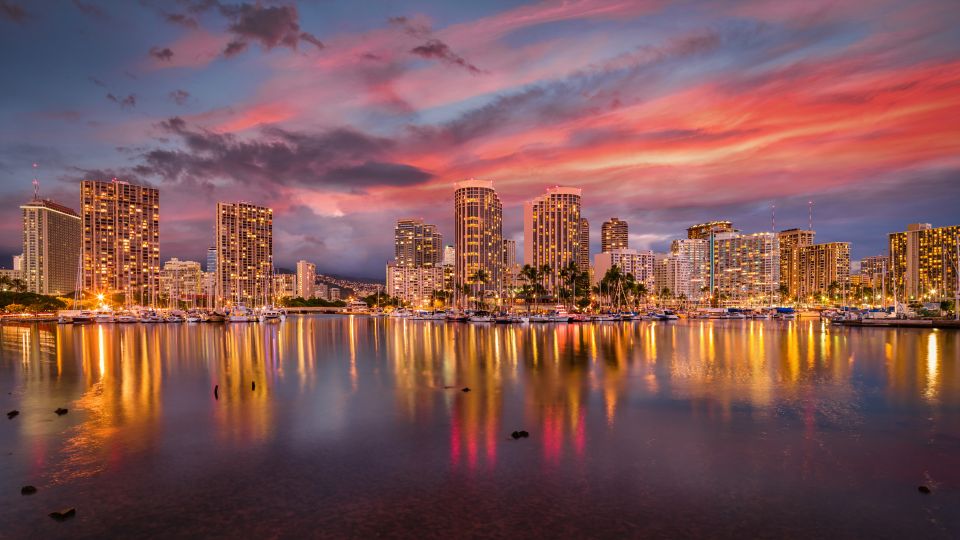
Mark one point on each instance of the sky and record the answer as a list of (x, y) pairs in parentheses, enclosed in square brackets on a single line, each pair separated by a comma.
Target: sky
[(345, 116)]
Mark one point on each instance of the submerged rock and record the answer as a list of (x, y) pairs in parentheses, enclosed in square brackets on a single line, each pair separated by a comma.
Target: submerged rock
[(64, 515), (28, 490), (524, 434), (465, 389), (923, 489), (61, 411), (253, 385), (13, 413), (515, 435), (216, 391)]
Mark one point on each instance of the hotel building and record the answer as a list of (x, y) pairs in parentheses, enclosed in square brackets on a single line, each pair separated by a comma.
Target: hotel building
[(703, 231), (922, 260), (872, 270), (671, 272), (478, 238), (52, 236), (614, 234), (417, 243), (306, 279), (414, 284), (511, 267), (792, 243), (181, 283), (551, 231), (583, 262), (696, 253), (821, 265), (630, 261), (244, 253), (285, 286), (121, 239), (746, 267)]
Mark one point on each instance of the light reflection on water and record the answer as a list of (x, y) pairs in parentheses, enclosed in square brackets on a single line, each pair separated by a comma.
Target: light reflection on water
[(689, 428)]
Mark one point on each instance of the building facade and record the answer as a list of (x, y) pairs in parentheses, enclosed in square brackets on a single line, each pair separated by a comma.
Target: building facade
[(414, 285), (696, 253), (872, 271), (922, 260), (823, 268), (671, 276), (478, 240), (551, 232), (583, 262), (244, 253), (306, 279), (212, 259), (52, 236), (792, 242), (181, 283), (417, 243), (630, 261), (614, 234), (702, 231), (746, 267), (121, 239)]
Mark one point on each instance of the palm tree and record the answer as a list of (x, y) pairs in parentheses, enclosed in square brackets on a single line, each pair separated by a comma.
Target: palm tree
[(480, 277), (570, 275)]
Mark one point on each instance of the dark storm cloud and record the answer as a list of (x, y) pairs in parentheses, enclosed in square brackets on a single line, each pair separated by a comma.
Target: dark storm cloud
[(163, 54), (179, 97), (124, 102), (273, 26), (338, 159), (12, 11), (436, 49)]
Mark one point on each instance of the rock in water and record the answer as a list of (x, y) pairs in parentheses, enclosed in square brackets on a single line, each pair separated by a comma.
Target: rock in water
[(64, 515), (515, 435), (216, 391), (524, 434), (61, 411), (465, 389), (28, 490), (924, 489), (13, 413), (253, 385)]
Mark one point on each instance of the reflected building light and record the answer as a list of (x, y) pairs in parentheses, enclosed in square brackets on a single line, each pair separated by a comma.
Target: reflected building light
[(933, 367)]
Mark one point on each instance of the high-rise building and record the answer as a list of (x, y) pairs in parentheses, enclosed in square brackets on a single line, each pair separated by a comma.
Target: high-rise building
[(792, 242), (696, 253), (212, 259), (417, 243), (449, 256), (334, 294), (285, 285), (551, 231), (922, 262), (306, 279), (614, 234), (244, 253), (671, 276), (746, 267), (511, 267), (121, 239), (478, 221), (872, 270), (181, 283), (51, 248), (822, 266), (703, 231), (414, 284), (583, 261), (629, 261)]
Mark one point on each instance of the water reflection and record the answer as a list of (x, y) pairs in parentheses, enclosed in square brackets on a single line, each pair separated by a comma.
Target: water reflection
[(143, 395)]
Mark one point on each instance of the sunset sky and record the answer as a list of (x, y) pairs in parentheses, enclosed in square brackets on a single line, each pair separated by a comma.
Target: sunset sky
[(344, 116)]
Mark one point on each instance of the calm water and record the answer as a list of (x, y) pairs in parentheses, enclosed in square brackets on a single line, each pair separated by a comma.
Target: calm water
[(722, 429)]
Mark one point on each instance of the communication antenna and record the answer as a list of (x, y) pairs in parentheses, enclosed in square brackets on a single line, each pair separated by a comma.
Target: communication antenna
[(773, 217), (36, 183), (810, 215)]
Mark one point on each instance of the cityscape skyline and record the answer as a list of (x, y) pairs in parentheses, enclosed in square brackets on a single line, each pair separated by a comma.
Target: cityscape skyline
[(693, 114)]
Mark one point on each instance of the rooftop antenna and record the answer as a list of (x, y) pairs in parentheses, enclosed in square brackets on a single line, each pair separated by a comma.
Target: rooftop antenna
[(36, 183), (773, 217), (810, 215)]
